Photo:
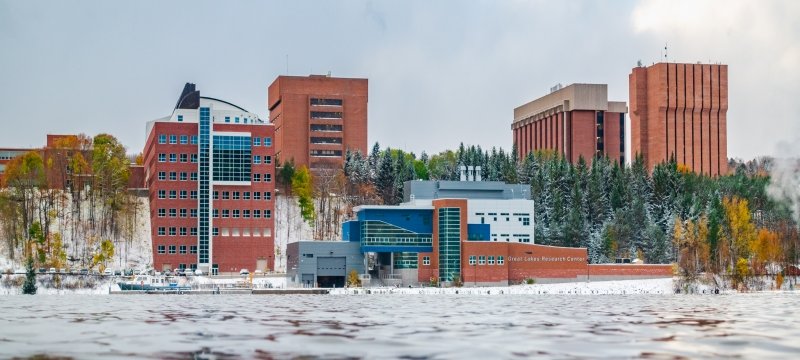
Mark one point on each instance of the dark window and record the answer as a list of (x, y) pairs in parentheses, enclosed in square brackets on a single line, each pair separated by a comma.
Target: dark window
[(325, 127), (324, 153), (326, 140), (326, 102)]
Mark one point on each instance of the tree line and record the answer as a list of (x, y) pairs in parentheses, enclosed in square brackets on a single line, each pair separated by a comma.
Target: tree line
[(68, 202)]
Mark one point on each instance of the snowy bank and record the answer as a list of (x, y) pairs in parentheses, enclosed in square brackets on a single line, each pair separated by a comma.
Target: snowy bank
[(623, 287)]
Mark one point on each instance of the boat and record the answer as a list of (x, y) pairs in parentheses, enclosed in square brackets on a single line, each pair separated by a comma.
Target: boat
[(151, 283)]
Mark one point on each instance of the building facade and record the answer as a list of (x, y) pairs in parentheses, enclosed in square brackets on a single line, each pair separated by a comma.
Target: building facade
[(318, 118), (576, 121), (209, 170), (680, 111)]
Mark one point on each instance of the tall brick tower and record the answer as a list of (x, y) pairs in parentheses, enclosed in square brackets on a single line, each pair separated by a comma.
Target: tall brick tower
[(680, 110), (318, 118)]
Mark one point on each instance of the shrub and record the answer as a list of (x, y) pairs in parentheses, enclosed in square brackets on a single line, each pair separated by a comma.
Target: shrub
[(457, 281), (352, 279), (530, 281)]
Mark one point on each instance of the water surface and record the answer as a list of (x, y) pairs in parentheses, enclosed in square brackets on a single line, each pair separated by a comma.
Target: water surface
[(401, 326)]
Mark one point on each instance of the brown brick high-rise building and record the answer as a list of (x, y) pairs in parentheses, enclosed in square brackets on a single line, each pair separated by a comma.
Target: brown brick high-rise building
[(318, 118), (680, 110), (577, 120)]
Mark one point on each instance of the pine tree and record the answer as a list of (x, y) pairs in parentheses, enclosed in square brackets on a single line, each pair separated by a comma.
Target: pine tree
[(29, 287)]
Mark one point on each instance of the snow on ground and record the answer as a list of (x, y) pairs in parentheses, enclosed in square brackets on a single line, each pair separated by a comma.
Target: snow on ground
[(623, 287)]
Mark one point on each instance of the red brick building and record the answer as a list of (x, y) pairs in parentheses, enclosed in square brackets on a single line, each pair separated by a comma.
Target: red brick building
[(318, 118), (576, 120), (209, 170), (681, 110)]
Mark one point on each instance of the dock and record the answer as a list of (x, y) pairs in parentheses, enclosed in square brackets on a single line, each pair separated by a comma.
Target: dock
[(227, 291)]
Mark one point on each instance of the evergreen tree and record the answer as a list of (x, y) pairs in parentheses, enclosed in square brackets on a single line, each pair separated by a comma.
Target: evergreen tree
[(29, 286)]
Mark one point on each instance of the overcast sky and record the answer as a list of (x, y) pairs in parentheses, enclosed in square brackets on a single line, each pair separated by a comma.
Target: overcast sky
[(440, 72)]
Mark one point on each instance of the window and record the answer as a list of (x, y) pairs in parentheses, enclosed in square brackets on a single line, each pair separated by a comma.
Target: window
[(182, 231), (184, 176), (173, 176), (235, 195), (226, 195), (183, 249), (162, 138), (268, 141), (216, 195), (324, 153), (193, 250), (183, 213), (235, 213), (256, 159), (256, 214), (326, 127), (326, 114), (236, 119), (472, 259), (227, 119), (173, 231), (325, 140), (267, 195), (491, 260), (162, 175), (162, 212), (173, 194), (193, 195), (173, 212), (180, 117), (173, 158), (184, 195), (193, 158), (193, 231), (215, 213), (326, 102), (246, 213), (256, 177), (162, 157), (162, 249), (226, 213), (256, 141), (193, 213), (267, 159), (172, 249), (162, 194), (193, 140), (246, 195), (162, 231), (173, 139), (215, 231), (482, 260), (267, 177), (500, 260), (184, 139), (526, 221), (426, 260), (184, 158), (256, 195), (267, 213)]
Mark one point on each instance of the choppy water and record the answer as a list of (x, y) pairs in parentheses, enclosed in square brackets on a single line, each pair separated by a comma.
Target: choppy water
[(394, 326)]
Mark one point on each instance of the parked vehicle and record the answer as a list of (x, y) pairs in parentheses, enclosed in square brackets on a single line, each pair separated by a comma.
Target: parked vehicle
[(62, 271), (198, 272), (150, 283), (52, 270), (42, 271), (84, 271), (244, 272), (108, 272)]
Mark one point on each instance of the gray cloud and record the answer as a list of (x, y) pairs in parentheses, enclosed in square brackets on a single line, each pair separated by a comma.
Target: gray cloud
[(440, 72)]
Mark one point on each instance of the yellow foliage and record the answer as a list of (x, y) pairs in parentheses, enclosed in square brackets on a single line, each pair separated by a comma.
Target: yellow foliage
[(768, 247), (740, 230), (684, 169)]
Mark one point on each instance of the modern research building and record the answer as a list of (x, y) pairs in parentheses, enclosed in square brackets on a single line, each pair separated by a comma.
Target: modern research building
[(476, 232), (209, 170)]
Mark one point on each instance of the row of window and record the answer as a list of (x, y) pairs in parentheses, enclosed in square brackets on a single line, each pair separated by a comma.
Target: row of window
[(173, 249), (173, 139), (523, 238), (248, 232), (186, 139), (184, 176), (226, 213), (184, 158), (486, 260), (226, 195), (326, 102), (257, 159)]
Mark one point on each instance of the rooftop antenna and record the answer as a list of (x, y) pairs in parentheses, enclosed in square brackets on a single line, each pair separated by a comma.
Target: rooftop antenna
[(666, 58)]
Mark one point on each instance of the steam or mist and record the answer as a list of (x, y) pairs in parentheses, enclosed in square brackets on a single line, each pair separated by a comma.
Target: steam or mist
[(785, 176)]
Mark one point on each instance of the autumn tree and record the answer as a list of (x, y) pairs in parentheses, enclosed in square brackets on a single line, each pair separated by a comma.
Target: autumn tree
[(302, 187)]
